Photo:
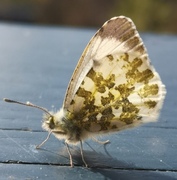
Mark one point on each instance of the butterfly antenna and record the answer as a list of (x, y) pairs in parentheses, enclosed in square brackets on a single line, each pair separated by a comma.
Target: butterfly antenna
[(27, 104)]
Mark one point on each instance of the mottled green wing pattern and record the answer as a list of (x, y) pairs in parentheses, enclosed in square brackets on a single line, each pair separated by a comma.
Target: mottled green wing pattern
[(116, 86)]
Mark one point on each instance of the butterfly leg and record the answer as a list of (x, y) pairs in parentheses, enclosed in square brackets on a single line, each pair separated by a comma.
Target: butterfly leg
[(82, 154), (101, 142), (38, 146), (70, 155)]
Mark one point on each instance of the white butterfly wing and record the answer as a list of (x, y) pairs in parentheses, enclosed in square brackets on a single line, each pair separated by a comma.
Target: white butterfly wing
[(114, 86)]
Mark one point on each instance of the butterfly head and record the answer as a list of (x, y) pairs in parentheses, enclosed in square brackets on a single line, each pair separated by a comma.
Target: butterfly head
[(61, 125), (54, 122), (49, 121)]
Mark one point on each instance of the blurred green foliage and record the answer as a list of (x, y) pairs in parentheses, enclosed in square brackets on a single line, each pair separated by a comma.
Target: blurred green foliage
[(148, 15), (151, 15)]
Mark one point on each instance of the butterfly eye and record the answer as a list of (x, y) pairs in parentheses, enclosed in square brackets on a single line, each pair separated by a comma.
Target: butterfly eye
[(51, 122)]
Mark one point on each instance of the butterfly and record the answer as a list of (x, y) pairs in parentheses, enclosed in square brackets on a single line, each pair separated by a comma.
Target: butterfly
[(114, 87)]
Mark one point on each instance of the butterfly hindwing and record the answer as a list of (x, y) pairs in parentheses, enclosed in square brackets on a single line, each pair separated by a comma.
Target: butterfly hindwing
[(114, 86)]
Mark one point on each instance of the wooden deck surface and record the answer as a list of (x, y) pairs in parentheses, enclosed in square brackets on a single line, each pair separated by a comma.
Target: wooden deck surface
[(35, 65)]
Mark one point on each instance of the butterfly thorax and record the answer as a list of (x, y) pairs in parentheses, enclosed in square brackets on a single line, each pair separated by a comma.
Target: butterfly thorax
[(62, 127)]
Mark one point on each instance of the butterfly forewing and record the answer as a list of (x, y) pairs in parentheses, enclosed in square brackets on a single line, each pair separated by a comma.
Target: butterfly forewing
[(114, 86)]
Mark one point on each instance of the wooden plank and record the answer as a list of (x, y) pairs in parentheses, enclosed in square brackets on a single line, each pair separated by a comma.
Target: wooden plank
[(45, 172), (133, 149)]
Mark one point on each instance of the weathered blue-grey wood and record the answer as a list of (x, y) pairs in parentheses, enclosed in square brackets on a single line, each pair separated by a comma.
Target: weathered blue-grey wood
[(46, 172), (36, 65)]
